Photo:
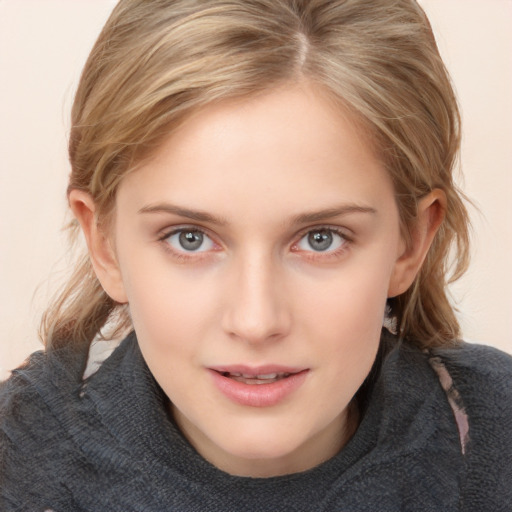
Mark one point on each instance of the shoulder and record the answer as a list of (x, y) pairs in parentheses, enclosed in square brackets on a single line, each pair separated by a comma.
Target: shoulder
[(482, 374), (481, 379), (38, 379), (31, 393), (33, 435), (21, 394)]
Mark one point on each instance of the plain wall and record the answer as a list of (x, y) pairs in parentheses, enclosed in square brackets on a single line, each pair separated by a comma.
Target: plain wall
[(44, 44)]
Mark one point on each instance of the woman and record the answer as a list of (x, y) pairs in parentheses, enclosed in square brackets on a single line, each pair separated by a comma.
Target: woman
[(259, 184)]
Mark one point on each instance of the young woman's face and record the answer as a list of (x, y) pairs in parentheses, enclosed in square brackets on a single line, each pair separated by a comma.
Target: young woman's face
[(256, 251)]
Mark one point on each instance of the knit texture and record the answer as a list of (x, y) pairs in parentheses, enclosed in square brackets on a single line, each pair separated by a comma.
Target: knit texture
[(106, 443)]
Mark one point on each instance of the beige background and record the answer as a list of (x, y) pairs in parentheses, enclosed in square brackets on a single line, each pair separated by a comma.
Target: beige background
[(43, 45)]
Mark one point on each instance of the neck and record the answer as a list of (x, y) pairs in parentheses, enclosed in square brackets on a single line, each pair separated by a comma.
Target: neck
[(317, 450)]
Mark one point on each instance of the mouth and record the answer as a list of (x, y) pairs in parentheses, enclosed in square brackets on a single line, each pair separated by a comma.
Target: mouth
[(258, 387), (250, 379)]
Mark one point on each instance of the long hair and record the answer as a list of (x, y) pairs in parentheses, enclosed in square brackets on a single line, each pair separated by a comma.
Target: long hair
[(155, 62)]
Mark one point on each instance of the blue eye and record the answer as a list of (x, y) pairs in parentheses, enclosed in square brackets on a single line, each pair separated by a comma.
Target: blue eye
[(190, 240), (321, 240)]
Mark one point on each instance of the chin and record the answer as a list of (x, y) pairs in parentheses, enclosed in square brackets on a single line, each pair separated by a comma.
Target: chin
[(262, 449), (255, 445)]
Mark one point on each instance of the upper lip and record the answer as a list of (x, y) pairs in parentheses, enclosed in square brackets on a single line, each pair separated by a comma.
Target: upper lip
[(253, 371)]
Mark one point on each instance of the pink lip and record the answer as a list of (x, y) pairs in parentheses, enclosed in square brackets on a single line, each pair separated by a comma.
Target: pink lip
[(257, 395)]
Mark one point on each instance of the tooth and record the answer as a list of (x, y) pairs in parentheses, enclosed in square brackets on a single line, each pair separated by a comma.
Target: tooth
[(267, 376), (256, 379)]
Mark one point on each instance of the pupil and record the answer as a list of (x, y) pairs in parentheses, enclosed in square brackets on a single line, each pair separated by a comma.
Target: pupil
[(191, 240), (320, 240)]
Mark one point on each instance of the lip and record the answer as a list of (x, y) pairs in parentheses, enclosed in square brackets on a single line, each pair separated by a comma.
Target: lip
[(257, 395)]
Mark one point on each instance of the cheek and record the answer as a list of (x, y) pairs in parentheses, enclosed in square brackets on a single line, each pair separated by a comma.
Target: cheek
[(167, 305), (353, 298), (344, 326), (171, 317), (346, 317)]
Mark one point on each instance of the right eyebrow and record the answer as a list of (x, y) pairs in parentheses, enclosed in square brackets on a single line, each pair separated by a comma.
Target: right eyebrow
[(197, 215)]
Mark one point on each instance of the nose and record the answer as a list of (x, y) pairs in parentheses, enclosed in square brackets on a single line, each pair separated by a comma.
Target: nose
[(257, 309)]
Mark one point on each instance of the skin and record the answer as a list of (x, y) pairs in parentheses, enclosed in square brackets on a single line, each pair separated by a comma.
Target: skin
[(267, 172)]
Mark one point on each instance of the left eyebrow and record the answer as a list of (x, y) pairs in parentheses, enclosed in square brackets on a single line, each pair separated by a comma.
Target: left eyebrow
[(330, 213)]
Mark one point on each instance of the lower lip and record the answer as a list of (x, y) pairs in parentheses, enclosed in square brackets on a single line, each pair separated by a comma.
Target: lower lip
[(258, 395)]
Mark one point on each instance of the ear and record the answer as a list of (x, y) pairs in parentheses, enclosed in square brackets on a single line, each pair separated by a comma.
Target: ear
[(101, 252), (431, 212)]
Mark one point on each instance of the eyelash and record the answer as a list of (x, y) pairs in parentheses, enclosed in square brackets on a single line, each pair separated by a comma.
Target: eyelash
[(312, 255), (327, 255), (185, 256)]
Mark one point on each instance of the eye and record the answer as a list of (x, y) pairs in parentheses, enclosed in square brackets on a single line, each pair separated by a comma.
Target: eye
[(321, 240), (190, 240)]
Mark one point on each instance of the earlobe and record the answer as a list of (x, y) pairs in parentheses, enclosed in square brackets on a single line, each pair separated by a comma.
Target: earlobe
[(431, 212), (101, 253)]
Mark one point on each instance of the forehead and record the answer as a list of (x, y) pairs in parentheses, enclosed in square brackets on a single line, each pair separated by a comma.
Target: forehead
[(289, 145)]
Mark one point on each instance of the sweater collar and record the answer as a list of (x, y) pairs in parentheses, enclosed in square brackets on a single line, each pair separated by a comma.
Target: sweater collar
[(133, 405)]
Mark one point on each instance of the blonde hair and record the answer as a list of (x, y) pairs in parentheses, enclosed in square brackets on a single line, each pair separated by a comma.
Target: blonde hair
[(157, 61)]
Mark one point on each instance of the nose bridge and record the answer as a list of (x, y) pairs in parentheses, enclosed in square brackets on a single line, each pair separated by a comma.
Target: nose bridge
[(257, 310)]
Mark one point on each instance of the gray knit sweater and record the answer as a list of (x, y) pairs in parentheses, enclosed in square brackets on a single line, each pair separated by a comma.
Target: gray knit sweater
[(107, 443)]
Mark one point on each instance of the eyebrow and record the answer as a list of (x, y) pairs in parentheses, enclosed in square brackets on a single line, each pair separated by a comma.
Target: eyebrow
[(303, 218), (330, 213), (198, 215)]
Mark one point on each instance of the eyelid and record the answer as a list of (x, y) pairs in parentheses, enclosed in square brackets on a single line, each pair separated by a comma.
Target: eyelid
[(345, 233), (327, 254), (165, 234)]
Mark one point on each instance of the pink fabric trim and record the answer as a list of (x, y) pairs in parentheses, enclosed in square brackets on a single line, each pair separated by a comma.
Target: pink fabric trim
[(454, 399)]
